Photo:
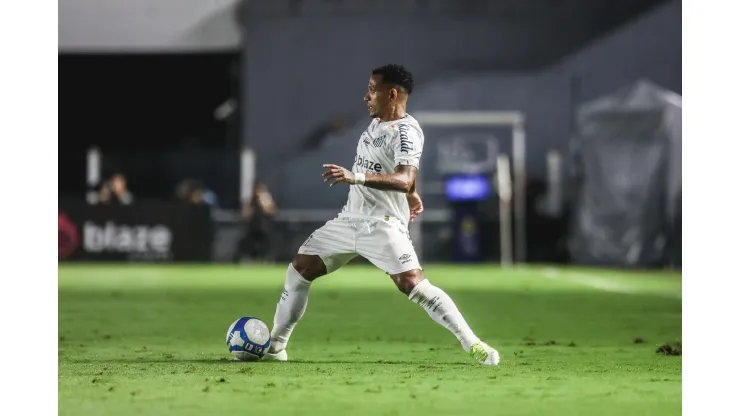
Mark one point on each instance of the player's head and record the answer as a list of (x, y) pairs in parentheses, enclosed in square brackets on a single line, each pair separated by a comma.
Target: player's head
[(389, 86)]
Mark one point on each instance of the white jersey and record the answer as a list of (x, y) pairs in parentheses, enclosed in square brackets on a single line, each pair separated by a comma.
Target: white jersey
[(382, 147)]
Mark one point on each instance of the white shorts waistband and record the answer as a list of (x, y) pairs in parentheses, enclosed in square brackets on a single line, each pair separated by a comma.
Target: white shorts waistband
[(386, 218)]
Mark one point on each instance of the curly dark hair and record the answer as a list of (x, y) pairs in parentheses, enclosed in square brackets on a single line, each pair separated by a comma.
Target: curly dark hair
[(396, 75)]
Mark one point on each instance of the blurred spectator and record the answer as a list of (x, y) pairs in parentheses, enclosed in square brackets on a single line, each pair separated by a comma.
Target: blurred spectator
[(259, 215), (115, 191), (192, 191), (183, 190)]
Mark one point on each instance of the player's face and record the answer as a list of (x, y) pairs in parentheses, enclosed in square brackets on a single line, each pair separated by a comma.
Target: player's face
[(376, 97)]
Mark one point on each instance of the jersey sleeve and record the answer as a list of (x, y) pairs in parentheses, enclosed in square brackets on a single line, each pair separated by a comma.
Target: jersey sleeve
[(408, 145)]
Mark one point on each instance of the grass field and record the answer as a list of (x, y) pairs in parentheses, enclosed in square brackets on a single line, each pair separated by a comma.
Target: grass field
[(136, 340)]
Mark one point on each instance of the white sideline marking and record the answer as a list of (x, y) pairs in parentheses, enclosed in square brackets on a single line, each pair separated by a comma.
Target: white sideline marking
[(602, 283)]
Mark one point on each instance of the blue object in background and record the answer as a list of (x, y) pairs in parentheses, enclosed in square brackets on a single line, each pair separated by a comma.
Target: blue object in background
[(462, 188), (468, 230), (464, 192)]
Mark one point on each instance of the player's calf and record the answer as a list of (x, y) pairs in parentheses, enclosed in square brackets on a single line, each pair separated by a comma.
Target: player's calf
[(293, 301), (442, 310)]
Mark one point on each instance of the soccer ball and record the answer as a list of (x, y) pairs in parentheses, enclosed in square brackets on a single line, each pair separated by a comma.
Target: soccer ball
[(248, 339)]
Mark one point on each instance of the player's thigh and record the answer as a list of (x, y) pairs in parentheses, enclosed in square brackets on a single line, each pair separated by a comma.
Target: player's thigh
[(389, 248), (334, 243)]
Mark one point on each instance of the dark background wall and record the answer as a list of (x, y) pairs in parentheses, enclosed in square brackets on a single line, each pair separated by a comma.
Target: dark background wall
[(294, 87), (152, 117), (304, 70), (304, 62), (541, 57)]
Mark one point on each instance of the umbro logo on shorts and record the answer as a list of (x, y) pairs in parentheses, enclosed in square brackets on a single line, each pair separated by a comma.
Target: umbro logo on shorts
[(405, 258)]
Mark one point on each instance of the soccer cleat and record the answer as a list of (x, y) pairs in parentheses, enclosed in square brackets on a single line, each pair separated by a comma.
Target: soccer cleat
[(484, 354), (281, 355)]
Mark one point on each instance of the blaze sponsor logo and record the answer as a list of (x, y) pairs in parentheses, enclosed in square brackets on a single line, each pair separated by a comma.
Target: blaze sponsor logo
[(153, 241), (367, 164)]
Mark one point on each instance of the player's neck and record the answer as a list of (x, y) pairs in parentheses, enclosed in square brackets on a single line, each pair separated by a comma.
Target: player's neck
[(394, 113)]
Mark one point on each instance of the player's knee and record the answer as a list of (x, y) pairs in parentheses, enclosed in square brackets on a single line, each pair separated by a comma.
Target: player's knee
[(308, 266), (407, 281)]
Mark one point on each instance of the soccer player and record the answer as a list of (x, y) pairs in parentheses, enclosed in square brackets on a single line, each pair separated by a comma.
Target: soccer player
[(374, 222)]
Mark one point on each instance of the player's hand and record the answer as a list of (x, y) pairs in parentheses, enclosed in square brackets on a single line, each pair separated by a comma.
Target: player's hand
[(415, 205), (335, 174)]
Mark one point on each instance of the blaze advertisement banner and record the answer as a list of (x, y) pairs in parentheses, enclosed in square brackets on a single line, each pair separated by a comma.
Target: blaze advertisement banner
[(149, 231)]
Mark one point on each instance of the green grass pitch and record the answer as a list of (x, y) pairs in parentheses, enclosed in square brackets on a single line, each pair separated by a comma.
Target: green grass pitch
[(150, 340)]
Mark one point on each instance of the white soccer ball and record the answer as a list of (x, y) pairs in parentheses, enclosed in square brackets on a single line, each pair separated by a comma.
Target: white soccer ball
[(248, 339)]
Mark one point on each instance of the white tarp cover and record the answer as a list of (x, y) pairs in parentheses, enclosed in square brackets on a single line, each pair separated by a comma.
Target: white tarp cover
[(627, 171)]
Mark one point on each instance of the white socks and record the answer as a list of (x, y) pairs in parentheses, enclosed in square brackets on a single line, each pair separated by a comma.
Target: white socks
[(290, 308), (443, 311), (434, 300)]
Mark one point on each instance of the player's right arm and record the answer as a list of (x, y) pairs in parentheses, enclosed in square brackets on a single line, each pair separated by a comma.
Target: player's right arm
[(401, 180), (407, 144)]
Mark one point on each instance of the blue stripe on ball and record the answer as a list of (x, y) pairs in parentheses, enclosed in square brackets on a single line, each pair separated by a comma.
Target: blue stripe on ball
[(240, 326)]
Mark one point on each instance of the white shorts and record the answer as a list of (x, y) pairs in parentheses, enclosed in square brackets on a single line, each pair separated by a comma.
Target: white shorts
[(386, 244)]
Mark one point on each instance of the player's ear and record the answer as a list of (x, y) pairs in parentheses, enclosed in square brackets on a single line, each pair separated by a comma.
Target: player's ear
[(393, 94)]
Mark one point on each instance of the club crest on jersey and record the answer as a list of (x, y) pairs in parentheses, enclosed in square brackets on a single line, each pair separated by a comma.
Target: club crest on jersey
[(378, 141)]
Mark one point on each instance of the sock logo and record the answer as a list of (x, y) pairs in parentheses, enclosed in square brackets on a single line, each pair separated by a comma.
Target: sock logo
[(432, 303)]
